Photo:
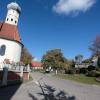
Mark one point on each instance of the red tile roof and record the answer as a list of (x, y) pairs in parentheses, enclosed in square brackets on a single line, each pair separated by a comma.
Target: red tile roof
[(36, 64), (9, 31)]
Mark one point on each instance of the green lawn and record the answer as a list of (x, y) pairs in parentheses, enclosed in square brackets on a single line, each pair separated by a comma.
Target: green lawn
[(79, 78), (30, 78)]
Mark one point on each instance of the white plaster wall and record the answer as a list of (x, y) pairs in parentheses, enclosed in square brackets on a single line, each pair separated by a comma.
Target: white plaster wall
[(12, 14), (13, 50)]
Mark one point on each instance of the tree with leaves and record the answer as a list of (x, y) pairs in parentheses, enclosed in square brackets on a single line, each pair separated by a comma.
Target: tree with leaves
[(54, 58), (26, 57)]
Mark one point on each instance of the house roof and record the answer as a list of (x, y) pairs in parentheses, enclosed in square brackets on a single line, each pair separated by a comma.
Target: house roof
[(9, 31), (36, 64)]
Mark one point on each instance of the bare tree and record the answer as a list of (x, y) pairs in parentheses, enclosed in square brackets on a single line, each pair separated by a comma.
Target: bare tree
[(95, 47)]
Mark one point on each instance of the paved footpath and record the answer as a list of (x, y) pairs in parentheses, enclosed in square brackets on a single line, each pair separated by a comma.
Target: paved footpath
[(46, 87)]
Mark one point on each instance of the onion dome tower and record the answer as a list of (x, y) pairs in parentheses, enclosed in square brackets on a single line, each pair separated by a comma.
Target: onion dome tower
[(14, 11), (10, 42)]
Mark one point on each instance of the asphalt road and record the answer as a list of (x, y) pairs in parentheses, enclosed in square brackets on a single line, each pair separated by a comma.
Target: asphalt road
[(46, 87)]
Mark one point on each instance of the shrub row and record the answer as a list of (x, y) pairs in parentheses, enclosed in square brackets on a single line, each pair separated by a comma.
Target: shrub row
[(91, 72)]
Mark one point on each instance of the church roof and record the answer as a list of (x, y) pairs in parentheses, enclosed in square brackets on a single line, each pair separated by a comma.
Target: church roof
[(9, 31)]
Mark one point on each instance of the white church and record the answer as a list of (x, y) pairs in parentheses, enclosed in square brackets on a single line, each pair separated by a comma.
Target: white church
[(10, 41)]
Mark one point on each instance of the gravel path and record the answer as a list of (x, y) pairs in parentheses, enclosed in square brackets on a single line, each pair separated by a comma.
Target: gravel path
[(46, 87)]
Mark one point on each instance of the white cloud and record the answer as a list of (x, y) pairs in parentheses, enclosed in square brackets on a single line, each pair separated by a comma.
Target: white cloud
[(35, 59), (73, 6)]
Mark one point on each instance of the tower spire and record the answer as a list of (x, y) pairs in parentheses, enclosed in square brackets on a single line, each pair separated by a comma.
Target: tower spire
[(14, 11)]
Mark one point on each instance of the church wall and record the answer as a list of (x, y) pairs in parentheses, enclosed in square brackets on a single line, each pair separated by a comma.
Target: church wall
[(12, 50)]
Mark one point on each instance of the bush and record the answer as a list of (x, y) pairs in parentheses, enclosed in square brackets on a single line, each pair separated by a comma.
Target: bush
[(93, 73), (70, 71), (61, 71), (90, 68), (98, 79), (77, 71), (83, 70)]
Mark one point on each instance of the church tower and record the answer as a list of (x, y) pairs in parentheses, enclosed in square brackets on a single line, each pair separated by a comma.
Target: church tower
[(14, 11), (10, 41)]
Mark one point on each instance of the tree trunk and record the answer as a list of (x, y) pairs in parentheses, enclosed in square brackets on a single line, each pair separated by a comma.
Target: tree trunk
[(56, 71)]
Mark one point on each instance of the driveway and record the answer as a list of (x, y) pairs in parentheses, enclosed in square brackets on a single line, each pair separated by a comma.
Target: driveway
[(46, 87)]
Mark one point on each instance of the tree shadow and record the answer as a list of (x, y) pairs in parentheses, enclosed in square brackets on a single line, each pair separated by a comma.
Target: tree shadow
[(50, 93), (32, 96)]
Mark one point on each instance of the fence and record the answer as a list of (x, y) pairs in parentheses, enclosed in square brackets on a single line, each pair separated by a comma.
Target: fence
[(13, 74)]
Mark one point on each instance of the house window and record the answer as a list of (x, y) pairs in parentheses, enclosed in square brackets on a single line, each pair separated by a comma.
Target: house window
[(2, 50)]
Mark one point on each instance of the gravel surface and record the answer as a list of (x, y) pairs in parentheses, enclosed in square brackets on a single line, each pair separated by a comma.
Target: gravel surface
[(46, 87)]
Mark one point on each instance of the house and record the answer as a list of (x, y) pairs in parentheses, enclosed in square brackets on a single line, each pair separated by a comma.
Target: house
[(83, 65), (93, 62), (36, 65)]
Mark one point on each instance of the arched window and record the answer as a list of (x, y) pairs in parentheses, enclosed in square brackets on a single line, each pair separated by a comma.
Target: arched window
[(15, 22), (11, 19), (7, 19), (2, 50)]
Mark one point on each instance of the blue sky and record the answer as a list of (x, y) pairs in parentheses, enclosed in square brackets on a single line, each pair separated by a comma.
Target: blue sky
[(49, 24)]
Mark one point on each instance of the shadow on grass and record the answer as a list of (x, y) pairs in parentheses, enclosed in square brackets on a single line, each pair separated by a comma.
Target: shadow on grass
[(50, 93)]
